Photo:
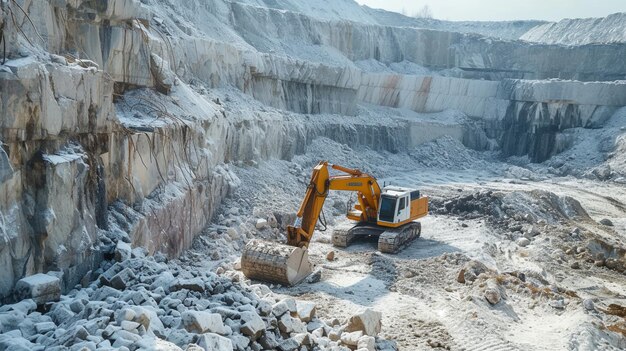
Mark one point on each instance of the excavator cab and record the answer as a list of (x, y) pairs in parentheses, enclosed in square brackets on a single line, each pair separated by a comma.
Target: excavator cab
[(399, 206)]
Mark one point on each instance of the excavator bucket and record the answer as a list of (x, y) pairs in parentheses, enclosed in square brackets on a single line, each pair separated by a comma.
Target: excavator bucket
[(273, 262)]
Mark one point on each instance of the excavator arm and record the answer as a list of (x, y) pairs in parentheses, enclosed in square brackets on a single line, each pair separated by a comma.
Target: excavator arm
[(366, 187)]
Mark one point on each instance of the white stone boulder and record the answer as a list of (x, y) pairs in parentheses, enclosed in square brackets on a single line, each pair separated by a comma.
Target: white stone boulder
[(147, 316), (232, 233), (334, 335), (201, 322), (366, 342), (15, 342), (44, 327), (368, 321), (289, 344), (129, 325), (494, 291), (261, 224), (40, 287), (492, 296), (305, 310), (123, 279), (351, 339), (253, 326), (152, 344), (239, 341), (523, 242), (284, 306), (303, 339), (122, 251), (288, 324), (214, 342)]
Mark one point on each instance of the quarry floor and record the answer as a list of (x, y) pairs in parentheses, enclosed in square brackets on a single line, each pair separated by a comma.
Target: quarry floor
[(424, 306)]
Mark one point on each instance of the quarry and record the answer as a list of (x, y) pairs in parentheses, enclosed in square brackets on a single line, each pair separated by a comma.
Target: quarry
[(145, 143)]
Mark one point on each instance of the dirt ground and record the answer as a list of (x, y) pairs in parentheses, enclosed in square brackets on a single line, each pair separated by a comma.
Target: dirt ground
[(425, 307)]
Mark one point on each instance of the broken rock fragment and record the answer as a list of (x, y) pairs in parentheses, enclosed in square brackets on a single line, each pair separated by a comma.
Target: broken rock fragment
[(351, 339), (368, 321), (288, 324), (284, 306), (492, 296), (261, 224), (122, 279), (194, 284), (494, 291), (471, 271), (330, 256), (40, 287), (289, 344), (214, 342), (271, 221), (202, 322), (122, 251), (366, 342), (253, 325), (306, 310), (607, 222)]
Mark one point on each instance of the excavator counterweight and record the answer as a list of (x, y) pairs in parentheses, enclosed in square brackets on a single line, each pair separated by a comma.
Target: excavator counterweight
[(389, 214)]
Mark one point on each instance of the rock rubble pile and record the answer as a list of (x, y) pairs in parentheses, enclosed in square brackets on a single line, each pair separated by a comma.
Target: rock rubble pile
[(150, 303)]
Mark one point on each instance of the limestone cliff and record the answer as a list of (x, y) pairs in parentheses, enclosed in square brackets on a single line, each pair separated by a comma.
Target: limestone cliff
[(110, 130)]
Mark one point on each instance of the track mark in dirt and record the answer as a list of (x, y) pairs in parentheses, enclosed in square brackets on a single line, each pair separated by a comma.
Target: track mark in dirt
[(488, 342), (414, 334)]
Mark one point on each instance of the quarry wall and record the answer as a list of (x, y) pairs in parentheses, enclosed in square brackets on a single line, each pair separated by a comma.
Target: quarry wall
[(103, 139)]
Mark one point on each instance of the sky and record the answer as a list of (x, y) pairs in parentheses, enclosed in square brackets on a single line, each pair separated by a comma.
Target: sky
[(494, 10)]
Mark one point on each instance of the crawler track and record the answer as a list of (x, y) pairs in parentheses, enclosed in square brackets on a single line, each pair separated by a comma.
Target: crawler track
[(389, 241)]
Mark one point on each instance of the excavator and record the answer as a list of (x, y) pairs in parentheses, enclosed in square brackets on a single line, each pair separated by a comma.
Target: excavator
[(390, 214)]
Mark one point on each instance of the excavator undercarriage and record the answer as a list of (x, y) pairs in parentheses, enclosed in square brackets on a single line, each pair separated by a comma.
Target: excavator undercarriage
[(390, 240)]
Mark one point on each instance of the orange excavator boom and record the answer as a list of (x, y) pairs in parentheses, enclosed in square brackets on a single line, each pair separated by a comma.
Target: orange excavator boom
[(368, 192)]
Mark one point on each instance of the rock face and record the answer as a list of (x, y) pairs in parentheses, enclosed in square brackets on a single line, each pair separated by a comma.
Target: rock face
[(579, 31), (526, 117)]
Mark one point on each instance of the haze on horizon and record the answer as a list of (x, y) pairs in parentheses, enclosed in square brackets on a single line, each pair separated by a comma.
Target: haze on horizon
[(499, 10)]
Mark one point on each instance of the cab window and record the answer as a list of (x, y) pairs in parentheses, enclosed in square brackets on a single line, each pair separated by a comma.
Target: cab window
[(402, 204), (387, 206)]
